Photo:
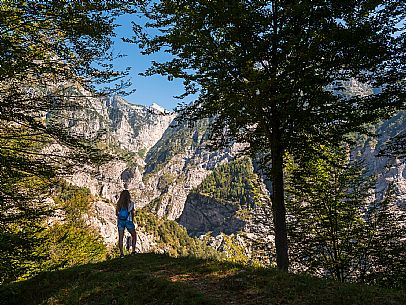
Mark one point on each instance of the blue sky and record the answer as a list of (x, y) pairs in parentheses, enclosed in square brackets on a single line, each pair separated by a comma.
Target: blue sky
[(153, 89)]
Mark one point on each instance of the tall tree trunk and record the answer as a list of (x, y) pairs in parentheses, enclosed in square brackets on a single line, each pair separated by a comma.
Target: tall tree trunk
[(278, 200), (278, 197)]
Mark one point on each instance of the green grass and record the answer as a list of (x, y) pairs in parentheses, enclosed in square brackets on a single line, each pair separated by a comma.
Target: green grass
[(159, 279)]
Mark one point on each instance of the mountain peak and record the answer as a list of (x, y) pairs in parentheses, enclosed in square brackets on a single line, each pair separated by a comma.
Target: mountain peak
[(158, 108)]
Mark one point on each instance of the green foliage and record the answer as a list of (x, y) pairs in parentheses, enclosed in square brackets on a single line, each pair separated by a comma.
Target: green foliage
[(68, 245), (59, 39), (175, 140), (23, 203), (74, 201), (233, 182), (334, 229), (66, 242), (234, 252), (165, 180), (72, 241), (173, 238), (116, 150), (326, 212), (46, 48), (154, 205), (49, 50), (394, 135), (142, 153), (270, 73), (17, 257), (382, 247)]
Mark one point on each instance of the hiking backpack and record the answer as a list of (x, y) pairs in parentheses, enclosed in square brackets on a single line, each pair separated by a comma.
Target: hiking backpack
[(123, 214)]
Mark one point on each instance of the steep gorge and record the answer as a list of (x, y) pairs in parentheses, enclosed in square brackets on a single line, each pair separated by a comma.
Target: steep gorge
[(168, 170)]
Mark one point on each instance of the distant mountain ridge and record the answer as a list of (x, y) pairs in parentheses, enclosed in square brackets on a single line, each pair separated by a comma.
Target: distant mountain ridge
[(161, 162), (164, 164)]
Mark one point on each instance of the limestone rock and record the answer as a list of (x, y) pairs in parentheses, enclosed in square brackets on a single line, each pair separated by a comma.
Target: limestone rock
[(162, 162)]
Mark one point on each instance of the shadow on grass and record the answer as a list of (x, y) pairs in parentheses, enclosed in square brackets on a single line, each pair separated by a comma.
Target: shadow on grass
[(160, 279), (139, 279)]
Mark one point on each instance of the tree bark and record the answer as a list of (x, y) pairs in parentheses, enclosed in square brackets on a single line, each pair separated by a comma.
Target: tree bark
[(278, 200), (278, 196)]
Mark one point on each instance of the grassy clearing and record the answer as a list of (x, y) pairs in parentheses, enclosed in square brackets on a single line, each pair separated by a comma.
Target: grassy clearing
[(159, 279)]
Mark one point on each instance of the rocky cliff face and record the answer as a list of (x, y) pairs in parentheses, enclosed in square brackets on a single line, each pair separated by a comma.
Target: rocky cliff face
[(202, 215), (157, 161), (387, 162), (164, 164), (129, 132)]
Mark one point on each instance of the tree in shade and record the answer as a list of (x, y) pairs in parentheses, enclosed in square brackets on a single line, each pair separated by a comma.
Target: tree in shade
[(273, 73), (338, 225), (46, 48)]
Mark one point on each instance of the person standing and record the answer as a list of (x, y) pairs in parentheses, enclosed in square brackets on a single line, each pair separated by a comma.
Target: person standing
[(125, 215)]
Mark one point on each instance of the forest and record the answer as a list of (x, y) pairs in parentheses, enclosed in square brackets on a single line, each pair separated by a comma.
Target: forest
[(273, 75)]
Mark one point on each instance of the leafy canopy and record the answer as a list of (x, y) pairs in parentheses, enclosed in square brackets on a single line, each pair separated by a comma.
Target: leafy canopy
[(254, 62), (46, 47), (274, 73)]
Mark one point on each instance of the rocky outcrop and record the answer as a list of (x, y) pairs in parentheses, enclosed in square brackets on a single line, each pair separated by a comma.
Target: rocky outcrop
[(202, 215), (385, 162), (128, 132), (136, 128), (250, 229), (162, 163)]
